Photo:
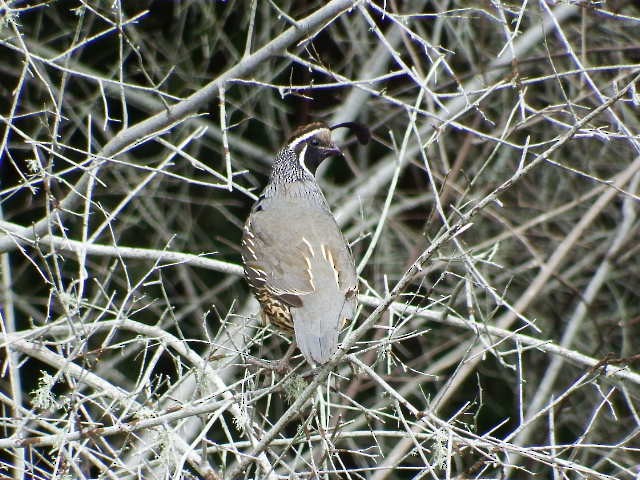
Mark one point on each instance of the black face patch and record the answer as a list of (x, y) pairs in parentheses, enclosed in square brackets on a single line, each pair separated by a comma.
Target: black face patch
[(312, 152), (314, 157)]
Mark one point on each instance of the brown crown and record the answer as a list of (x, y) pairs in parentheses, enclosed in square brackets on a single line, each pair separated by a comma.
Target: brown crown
[(302, 129)]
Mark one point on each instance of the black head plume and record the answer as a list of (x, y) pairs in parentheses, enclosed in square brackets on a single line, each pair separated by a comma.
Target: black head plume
[(362, 133)]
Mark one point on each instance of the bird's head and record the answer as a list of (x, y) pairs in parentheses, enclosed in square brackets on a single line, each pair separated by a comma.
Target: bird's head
[(312, 143)]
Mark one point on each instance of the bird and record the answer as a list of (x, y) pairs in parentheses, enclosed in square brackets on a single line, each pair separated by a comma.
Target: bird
[(295, 258)]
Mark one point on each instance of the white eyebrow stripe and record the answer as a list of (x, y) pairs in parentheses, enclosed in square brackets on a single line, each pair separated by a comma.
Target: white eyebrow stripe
[(306, 136)]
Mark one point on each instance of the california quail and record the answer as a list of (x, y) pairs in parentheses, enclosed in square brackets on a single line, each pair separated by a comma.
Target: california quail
[(295, 258)]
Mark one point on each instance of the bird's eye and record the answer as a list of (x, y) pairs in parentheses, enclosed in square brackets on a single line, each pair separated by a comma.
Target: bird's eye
[(315, 142)]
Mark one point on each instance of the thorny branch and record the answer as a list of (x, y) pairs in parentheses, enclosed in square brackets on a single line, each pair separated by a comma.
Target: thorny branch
[(493, 219)]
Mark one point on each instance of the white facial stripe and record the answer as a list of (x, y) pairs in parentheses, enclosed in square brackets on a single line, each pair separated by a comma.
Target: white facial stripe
[(306, 136), (301, 160)]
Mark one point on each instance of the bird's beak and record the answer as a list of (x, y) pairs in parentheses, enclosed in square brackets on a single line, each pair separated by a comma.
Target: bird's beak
[(331, 151)]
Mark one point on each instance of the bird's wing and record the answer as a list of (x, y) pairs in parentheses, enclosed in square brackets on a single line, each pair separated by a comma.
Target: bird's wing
[(299, 255), (273, 254)]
